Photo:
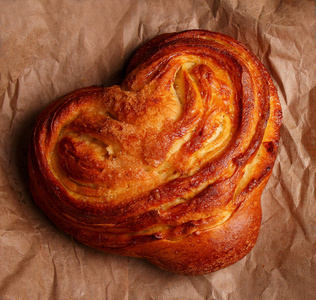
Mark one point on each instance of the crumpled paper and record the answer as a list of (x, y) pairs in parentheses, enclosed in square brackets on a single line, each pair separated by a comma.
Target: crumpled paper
[(50, 48)]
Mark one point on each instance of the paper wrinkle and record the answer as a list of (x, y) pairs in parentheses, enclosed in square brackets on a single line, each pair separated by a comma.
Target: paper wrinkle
[(13, 94), (201, 285)]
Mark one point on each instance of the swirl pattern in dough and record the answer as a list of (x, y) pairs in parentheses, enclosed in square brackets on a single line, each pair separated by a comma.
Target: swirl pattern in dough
[(170, 165)]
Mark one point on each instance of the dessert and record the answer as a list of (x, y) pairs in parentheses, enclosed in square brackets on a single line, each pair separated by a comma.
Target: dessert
[(168, 166)]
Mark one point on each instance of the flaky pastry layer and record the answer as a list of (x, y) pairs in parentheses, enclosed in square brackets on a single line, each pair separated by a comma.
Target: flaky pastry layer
[(170, 165)]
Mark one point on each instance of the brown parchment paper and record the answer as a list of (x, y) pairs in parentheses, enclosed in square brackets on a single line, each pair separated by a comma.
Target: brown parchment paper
[(49, 48)]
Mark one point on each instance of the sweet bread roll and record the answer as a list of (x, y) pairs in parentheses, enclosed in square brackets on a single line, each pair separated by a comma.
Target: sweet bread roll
[(170, 165)]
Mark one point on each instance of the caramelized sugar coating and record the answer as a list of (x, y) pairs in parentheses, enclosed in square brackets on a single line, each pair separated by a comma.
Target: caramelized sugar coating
[(169, 166)]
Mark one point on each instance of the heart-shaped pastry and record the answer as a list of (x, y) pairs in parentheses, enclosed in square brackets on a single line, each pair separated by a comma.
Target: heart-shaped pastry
[(169, 166)]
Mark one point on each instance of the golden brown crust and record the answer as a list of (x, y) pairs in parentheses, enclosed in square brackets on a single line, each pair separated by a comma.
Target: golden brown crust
[(169, 166)]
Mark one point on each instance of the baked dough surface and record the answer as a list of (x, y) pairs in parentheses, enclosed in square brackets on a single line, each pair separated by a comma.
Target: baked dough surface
[(170, 165)]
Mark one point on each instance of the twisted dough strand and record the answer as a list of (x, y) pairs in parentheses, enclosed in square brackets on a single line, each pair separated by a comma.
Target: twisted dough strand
[(169, 166)]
